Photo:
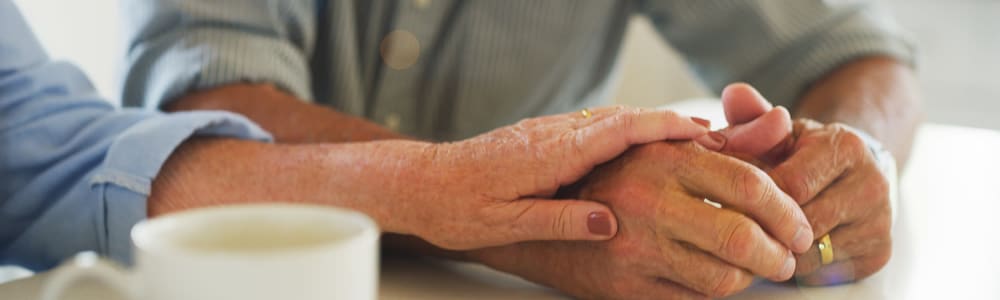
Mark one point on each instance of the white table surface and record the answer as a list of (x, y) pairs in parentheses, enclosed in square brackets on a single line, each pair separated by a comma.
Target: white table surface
[(945, 242)]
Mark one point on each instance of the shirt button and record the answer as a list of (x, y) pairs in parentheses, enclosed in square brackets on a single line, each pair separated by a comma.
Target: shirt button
[(392, 121), (422, 4)]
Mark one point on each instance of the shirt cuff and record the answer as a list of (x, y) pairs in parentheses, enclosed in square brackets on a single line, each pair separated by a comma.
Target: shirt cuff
[(865, 32), (136, 156), (167, 68)]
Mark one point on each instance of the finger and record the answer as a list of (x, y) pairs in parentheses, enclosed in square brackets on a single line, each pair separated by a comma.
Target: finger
[(638, 126), (542, 219), (730, 236), (850, 199), (848, 242), (742, 103), (603, 112), (845, 271), (756, 137), (819, 157), (609, 137), (739, 185), (575, 120), (704, 273)]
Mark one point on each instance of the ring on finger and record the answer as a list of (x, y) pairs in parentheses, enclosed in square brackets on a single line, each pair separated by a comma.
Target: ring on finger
[(825, 250)]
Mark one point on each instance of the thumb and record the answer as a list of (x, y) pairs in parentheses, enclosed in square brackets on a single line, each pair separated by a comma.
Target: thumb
[(756, 137), (742, 103), (545, 219)]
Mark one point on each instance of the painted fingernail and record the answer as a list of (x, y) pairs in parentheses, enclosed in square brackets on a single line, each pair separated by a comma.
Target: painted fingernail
[(789, 269), (802, 240), (599, 223), (703, 122)]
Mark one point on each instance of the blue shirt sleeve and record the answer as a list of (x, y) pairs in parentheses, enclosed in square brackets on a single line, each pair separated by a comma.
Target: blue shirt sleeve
[(182, 45), (75, 171)]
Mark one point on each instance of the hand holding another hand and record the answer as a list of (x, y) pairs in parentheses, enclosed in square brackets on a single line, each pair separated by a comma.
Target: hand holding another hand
[(497, 188), (834, 176), (831, 172), (670, 243)]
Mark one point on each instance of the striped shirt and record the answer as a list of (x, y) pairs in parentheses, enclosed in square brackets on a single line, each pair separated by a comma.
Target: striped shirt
[(450, 69)]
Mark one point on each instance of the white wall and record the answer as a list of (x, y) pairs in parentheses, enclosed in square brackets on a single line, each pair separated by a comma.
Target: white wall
[(84, 32)]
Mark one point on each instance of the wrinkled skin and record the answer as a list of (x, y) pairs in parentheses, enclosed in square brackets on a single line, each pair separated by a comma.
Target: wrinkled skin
[(670, 244), (833, 175), (497, 188)]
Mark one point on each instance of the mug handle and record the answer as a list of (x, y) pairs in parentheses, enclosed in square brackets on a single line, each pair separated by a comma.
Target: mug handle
[(87, 265)]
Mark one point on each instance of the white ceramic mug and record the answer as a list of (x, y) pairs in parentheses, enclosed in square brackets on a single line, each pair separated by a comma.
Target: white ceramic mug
[(264, 251)]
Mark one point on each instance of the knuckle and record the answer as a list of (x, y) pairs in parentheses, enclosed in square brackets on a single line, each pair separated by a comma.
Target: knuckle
[(845, 140), (562, 226), (576, 143), (751, 183), (737, 240), (626, 118), (728, 282), (799, 187)]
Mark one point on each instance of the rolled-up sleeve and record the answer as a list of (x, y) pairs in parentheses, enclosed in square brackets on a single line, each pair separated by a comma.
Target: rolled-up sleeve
[(75, 172), (778, 46), (179, 45)]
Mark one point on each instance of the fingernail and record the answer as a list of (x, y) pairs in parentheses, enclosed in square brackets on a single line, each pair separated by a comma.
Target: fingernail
[(801, 241), (789, 269), (599, 223), (703, 122), (718, 138)]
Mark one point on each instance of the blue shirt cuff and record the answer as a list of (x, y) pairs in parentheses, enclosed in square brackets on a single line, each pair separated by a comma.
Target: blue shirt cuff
[(136, 156)]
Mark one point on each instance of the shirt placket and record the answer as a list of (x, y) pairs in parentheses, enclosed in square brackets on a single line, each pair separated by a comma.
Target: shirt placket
[(403, 51)]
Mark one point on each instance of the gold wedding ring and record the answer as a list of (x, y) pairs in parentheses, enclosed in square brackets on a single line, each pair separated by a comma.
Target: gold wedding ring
[(825, 250), (586, 113)]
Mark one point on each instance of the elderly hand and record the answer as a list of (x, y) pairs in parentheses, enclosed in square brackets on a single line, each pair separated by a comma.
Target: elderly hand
[(670, 243), (833, 175), (496, 188)]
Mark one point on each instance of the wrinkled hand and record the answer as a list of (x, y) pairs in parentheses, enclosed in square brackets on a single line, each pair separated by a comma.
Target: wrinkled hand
[(833, 175), (496, 188), (670, 243)]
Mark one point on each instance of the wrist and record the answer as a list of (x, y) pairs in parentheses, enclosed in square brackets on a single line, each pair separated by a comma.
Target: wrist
[(393, 181)]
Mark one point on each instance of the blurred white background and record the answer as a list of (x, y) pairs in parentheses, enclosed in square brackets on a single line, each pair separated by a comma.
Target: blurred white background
[(959, 42), (83, 32)]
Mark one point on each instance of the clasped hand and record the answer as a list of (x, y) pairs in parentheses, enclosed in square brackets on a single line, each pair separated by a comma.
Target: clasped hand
[(774, 178), (637, 178)]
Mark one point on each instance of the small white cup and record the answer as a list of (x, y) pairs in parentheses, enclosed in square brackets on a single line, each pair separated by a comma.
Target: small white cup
[(247, 252)]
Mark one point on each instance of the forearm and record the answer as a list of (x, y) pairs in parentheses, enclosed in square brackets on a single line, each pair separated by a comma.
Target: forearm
[(876, 94), (366, 177), (289, 119)]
